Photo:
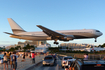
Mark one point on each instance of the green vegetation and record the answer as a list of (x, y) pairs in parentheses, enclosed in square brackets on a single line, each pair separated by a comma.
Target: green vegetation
[(53, 49), (11, 49), (26, 48), (102, 45), (57, 50), (1, 48)]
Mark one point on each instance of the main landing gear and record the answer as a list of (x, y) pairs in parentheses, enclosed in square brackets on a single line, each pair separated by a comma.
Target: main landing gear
[(56, 42)]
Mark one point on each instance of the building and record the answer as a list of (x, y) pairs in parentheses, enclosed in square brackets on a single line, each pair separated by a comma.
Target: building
[(35, 43), (23, 44), (74, 46), (8, 47)]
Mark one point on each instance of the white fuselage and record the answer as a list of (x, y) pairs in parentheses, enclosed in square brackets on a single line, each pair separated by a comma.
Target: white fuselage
[(78, 34)]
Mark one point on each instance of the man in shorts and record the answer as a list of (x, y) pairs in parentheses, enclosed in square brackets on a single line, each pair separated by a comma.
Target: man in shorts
[(14, 60), (5, 61)]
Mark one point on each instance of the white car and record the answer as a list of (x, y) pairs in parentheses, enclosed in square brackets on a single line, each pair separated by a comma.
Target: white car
[(48, 60), (65, 61)]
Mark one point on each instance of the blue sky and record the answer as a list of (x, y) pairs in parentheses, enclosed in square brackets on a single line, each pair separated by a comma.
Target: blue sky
[(53, 14)]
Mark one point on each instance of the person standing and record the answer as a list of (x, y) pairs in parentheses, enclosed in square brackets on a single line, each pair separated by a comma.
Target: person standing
[(20, 55), (24, 57), (11, 60), (5, 61), (86, 57), (33, 57), (14, 60), (0, 58), (8, 57), (29, 55)]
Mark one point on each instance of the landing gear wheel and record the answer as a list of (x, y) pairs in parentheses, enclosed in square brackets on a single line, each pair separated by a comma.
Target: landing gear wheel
[(95, 40), (56, 43)]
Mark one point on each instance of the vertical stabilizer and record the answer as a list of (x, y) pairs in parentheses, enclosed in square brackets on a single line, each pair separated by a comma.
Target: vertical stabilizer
[(14, 26)]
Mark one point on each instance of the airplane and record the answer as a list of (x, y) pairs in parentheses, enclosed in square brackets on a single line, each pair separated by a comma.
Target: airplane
[(48, 34)]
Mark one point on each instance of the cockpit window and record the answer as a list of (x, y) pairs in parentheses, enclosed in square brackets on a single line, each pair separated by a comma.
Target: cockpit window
[(97, 31)]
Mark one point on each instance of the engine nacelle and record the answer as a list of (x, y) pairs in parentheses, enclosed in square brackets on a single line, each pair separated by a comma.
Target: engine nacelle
[(68, 38)]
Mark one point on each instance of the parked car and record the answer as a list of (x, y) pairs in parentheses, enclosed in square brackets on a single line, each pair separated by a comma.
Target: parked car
[(88, 65), (48, 60), (64, 61)]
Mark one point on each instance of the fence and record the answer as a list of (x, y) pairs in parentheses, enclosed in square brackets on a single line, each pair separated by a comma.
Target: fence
[(90, 56)]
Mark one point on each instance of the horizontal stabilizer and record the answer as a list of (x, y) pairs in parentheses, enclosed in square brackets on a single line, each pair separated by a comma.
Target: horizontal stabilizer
[(23, 35), (11, 34)]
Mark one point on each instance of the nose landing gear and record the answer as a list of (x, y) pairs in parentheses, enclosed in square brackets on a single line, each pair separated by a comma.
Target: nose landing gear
[(95, 39)]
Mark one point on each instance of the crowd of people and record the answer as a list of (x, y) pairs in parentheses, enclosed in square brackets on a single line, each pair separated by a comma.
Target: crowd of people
[(10, 58)]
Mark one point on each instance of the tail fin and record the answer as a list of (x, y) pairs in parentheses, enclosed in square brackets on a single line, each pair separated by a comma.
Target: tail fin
[(14, 26)]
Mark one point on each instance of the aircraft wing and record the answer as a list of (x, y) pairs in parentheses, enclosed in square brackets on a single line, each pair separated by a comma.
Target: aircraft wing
[(51, 32)]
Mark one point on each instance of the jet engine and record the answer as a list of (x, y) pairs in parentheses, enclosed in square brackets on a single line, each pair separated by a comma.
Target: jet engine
[(67, 38)]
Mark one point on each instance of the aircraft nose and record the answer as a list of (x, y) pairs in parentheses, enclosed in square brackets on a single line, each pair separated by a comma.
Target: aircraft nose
[(101, 33)]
